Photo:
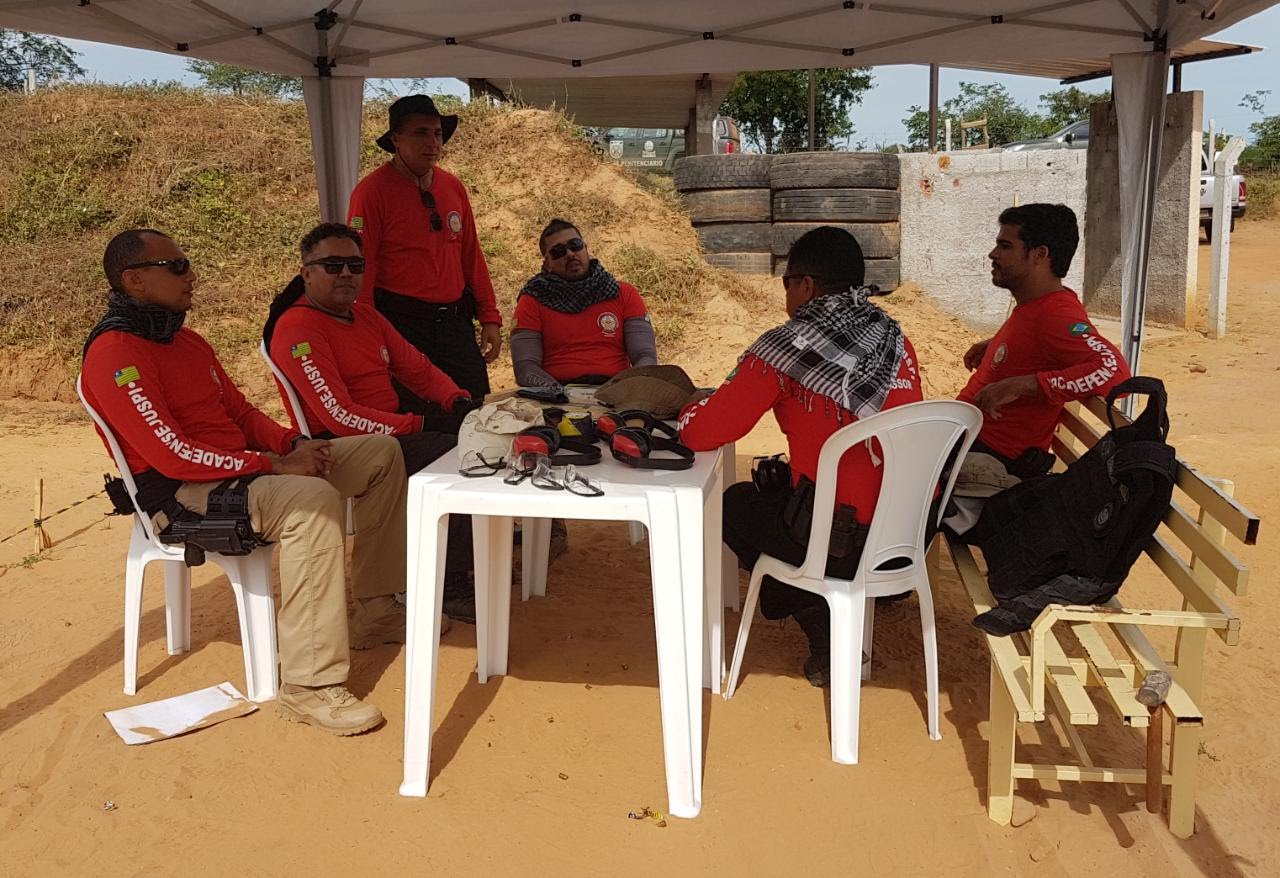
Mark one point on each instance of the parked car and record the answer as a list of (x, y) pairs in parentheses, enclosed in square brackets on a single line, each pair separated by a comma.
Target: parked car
[(1239, 197), (658, 148), (1074, 136)]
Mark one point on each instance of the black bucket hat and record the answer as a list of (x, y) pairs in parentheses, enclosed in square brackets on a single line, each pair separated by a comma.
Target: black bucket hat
[(415, 105)]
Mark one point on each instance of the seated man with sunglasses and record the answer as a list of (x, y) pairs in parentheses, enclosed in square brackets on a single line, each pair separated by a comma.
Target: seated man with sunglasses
[(426, 271), (185, 428), (354, 375), (839, 358), (575, 322)]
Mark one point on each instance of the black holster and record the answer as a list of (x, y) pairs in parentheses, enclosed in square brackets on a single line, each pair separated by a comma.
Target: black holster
[(847, 536), (224, 528)]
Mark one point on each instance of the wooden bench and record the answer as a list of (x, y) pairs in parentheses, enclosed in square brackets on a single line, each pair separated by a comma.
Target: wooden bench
[(1082, 662)]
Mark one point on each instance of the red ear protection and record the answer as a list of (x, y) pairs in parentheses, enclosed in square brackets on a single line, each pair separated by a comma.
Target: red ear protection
[(539, 440), (607, 423), (561, 450), (633, 445)]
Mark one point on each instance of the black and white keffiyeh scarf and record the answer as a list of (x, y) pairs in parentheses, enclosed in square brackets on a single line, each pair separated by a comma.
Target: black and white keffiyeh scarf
[(573, 296), (839, 346), (127, 314)]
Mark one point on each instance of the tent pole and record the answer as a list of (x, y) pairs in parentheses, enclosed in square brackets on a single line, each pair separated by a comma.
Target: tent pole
[(813, 104), (933, 108)]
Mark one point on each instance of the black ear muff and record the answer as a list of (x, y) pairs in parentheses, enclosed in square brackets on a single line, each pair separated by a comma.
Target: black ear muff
[(771, 474)]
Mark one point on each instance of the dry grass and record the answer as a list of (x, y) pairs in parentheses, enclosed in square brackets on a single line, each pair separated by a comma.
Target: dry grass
[(232, 180)]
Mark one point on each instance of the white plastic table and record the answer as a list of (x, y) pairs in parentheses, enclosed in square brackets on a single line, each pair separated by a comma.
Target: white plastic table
[(682, 511)]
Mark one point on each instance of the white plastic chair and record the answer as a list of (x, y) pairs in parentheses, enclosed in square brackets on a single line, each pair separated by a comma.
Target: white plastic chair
[(916, 441), (250, 577), (300, 417)]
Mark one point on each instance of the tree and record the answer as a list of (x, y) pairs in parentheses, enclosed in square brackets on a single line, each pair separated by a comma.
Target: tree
[(1007, 120), (52, 60), (772, 107), (1067, 105), (243, 81), (1264, 152)]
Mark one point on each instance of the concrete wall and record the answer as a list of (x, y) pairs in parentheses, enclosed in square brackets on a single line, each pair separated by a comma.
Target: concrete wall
[(950, 204), (1171, 278)]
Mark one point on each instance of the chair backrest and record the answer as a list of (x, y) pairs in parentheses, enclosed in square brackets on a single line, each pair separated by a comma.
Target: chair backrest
[(287, 393), (122, 464), (916, 442)]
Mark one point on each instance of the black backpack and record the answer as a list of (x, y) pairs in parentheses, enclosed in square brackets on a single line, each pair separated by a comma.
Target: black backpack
[(1071, 537)]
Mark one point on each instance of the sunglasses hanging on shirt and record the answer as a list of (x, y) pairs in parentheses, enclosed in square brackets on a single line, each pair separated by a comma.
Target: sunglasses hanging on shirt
[(429, 202)]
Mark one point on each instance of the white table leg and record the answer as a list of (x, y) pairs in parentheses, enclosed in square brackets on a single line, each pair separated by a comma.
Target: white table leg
[(491, 541), (424, 587), (712, 557), (677, 613), (535, 556)]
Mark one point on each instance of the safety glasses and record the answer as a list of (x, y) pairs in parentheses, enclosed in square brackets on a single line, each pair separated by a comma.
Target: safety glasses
[(559, 250), (175, 266), (353, 264), (429, 202), (538, 470), (485, 462)]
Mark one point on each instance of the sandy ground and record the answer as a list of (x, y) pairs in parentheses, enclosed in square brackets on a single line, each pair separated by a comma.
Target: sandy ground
[(537, 771)]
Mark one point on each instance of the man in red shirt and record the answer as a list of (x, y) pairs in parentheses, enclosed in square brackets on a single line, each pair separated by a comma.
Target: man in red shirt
[(426, 271), (839, 358), (1046, 354), (354, 375), (184, 428), (575, 322)]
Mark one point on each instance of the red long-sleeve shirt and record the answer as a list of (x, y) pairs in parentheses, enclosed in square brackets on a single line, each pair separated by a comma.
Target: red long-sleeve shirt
[(405, 255), (1052, 338), (591, 342), (806, 419), (342, 370), (173, 408)]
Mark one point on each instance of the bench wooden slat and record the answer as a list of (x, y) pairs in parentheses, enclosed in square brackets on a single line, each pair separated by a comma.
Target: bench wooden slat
[(1181, 575), (1239, 522), (1079, 706), (1224, 565), (1027, 771), (1115, 680), (1003, 653), (1178, 702)]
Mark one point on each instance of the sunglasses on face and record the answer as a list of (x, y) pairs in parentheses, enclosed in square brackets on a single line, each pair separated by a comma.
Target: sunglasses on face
[(429, 202), (353, 264), (175, 266), (559, 250)]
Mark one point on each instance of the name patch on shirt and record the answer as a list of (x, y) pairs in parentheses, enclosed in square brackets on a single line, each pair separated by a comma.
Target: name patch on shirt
[(300, 350), (127, 375)]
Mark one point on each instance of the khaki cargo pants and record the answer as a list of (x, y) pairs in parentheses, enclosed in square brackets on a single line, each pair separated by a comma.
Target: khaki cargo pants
[(306, 516)]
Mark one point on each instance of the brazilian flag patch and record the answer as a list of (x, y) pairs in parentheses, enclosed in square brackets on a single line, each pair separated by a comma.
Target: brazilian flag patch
[(126, 375), (301, 349), (1079, 329)]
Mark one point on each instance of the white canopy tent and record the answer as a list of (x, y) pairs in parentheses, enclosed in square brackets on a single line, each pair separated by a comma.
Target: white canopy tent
[(336, 46)]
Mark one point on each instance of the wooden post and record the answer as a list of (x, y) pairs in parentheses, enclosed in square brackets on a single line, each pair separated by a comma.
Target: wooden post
[(1152, 694), (1000, 746), (42, 540), (704, 119), (948, 140)]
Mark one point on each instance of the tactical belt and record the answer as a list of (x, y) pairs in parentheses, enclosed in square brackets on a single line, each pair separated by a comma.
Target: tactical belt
[(461, 308)]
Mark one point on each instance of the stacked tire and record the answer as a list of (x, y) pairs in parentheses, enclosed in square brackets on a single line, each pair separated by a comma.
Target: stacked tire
[(854, 191), (728, 200)]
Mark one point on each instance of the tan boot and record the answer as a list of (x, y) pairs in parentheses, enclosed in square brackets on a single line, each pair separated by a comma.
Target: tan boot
[(380, 620), (330, 708)]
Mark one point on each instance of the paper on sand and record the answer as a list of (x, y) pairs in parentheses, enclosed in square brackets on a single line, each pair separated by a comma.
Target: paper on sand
[(157, 720)]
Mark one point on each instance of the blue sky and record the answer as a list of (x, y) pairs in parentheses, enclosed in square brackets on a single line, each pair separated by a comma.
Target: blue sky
[(879, 119)]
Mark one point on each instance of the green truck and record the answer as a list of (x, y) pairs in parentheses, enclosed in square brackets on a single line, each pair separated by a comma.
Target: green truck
[(656, 149)]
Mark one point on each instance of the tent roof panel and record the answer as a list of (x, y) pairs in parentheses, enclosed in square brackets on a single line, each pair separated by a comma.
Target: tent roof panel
[(531, 39)]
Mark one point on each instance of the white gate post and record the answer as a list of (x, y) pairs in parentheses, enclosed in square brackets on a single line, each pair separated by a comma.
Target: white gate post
[(1223, 183)]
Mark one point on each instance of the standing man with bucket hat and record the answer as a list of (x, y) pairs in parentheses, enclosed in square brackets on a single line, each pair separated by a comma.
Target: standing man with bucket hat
[(426, 272)]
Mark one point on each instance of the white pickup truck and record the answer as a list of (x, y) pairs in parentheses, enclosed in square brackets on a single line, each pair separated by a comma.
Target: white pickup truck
[(1238, 197)]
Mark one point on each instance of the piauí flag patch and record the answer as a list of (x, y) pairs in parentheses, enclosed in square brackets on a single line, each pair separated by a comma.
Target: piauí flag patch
[(126, 375), (301, 349), (1079, 329), (357, 223)]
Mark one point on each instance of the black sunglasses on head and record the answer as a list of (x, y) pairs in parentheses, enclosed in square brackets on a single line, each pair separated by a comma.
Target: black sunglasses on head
[(559, 250), (429, 202), (175, 266), (334, 265)]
